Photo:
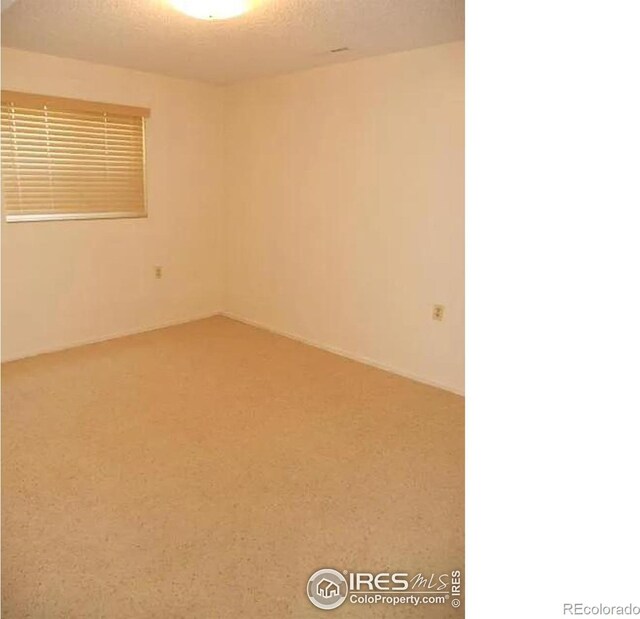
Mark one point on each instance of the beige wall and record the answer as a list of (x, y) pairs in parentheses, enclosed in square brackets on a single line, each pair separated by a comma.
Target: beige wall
[(333, 214), (344, 205), (69, 282)]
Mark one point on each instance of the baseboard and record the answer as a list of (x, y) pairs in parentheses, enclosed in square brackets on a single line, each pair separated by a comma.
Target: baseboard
[(342, 353), (112, 336), (247, 321)]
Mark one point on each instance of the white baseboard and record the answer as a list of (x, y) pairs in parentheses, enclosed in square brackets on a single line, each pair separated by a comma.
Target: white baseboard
[(111, 336), (247, 321), (342, 353)]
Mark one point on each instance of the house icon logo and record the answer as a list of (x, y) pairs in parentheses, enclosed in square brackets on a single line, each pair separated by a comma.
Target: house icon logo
[(327, 589)]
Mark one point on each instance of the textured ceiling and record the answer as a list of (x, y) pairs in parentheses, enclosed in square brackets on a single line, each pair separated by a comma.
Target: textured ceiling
[(278, 36)]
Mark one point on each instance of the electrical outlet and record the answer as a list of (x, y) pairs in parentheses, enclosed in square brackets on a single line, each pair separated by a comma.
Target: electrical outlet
[(438, 312), (158, 271)]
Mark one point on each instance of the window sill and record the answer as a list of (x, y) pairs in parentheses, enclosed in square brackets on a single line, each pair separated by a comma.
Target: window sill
[(72, 216)]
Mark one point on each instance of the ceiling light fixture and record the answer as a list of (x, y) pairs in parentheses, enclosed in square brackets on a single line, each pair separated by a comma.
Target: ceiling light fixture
[(212, 9)]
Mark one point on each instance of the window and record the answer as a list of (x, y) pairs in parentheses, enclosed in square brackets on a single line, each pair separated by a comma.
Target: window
[(70, 159)]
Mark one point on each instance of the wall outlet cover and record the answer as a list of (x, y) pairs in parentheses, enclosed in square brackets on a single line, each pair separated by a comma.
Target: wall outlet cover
[(438, 312)]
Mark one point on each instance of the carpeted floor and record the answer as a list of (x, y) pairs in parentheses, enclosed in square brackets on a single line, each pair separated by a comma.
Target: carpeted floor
[(205, 471)]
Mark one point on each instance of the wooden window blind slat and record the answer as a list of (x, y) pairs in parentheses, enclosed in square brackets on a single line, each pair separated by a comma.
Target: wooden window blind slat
[(68, 159)]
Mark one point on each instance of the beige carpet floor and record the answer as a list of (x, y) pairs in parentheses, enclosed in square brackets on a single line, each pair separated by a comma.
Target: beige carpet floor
[(205, 471)]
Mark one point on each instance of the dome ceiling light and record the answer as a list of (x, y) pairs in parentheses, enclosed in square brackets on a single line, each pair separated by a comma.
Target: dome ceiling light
[(212, 9)]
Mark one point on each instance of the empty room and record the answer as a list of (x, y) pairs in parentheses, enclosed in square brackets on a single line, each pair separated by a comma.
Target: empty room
[(232, 309)]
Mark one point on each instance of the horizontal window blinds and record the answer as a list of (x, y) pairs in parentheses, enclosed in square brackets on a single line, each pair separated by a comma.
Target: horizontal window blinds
[(68, 159)]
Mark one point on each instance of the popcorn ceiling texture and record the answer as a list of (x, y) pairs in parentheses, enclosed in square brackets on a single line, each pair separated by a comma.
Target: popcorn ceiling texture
[(278, 36), (207, 470)]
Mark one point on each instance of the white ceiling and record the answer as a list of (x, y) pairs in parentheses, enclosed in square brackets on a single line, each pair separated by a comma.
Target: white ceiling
[(278, 36)]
